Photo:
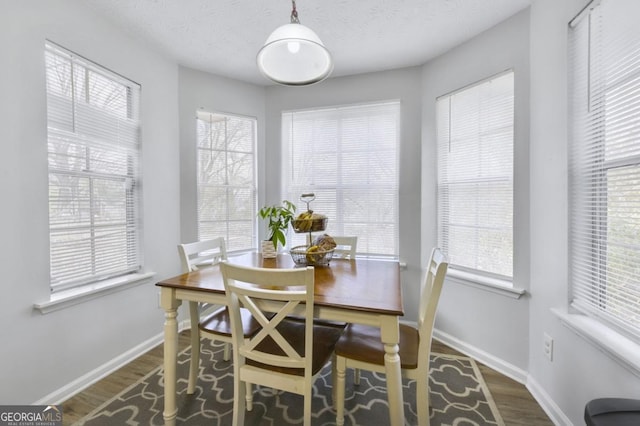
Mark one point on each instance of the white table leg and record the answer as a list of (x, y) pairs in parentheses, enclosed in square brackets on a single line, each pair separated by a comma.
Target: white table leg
[(390, 338), (170, 305)]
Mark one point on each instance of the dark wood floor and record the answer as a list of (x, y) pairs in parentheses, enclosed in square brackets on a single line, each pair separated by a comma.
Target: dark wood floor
[(514, 401)]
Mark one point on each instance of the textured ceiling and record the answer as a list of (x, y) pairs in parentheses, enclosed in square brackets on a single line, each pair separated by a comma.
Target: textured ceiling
[(224, 36)]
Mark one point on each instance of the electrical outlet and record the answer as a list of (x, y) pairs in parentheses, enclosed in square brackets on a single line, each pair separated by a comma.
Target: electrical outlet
[(548, 346)]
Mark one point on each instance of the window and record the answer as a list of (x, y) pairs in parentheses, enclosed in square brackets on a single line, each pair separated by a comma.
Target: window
[(605, 164), (93, 134), (347, 157), (226, 179), (475, 177)]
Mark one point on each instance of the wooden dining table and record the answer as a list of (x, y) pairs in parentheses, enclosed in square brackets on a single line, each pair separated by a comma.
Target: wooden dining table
[(355, 291)]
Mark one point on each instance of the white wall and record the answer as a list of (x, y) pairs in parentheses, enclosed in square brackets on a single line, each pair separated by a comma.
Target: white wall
[(403, 85), (579, 370), (489, 322), (43, 353), (507, 333)]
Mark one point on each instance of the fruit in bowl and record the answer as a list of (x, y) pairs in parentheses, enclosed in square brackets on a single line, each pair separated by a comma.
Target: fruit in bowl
[(314, 254), (319, 253), (320, 250), (324, 242), (309, 222)]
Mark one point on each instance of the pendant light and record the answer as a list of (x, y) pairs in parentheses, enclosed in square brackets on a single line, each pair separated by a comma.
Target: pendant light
[(293, 55)]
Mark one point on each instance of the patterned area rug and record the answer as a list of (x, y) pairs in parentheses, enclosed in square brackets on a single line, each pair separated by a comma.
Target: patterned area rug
[(458, 393)]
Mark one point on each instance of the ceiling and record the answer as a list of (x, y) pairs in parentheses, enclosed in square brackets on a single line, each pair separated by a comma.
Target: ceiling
[(224, 36)]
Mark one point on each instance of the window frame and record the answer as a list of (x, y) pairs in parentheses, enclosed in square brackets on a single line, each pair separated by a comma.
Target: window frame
[(340, 114), (595, 109), (90, 128), (497, 282), (252, 188)]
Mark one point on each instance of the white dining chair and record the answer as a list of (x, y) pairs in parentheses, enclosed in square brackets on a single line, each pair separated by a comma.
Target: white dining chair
[(360, 346), (285, 354), (346, 247), (215, 325)]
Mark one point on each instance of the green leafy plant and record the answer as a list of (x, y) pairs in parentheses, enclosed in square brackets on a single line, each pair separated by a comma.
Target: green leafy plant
[(279, 218)]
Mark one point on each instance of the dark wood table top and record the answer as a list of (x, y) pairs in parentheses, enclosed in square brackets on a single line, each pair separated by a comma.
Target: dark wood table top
[(360, 284)]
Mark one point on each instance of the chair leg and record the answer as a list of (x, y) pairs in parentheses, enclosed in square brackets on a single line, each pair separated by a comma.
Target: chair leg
[(239, 406), (356, 376), (195, 347), (227, 352), (307, 405), (249, 396), (422, 399), (339, 385), (334, 377)]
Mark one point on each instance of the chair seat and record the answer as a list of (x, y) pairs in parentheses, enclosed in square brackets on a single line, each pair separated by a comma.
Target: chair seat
[(219, 323), (361, 347), (319, 321), (363, 343), (324, 341), (612, 412)]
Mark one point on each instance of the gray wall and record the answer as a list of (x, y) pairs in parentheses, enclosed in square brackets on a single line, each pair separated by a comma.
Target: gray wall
[(43, 354)]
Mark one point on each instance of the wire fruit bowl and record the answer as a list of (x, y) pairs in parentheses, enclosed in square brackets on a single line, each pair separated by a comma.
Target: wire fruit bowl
[(319, 257), (310, 225)]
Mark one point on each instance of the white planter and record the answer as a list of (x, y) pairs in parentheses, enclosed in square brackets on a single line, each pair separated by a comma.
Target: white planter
[(268, 250)]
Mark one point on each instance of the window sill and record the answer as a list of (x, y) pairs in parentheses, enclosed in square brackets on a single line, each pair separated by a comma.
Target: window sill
[(492, 285), (618, 347), (66, 298)]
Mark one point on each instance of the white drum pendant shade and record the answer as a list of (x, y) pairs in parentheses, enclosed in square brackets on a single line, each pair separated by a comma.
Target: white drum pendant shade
[(293, 55)]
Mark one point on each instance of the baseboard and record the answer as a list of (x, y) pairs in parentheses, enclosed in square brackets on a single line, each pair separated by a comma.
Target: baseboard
[(83, 382), (548, 405), (544, 400), (486, 358)]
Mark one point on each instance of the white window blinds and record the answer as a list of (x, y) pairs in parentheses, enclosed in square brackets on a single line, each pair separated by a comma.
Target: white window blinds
[(93, 154), (226, 179), (347, 157), (475, 177), (605, 164)]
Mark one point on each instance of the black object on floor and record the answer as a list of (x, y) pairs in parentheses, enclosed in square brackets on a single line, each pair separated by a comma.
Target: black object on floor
[(612, 412)]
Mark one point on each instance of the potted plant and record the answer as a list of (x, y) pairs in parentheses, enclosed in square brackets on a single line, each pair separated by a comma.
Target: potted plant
[(279, 217)]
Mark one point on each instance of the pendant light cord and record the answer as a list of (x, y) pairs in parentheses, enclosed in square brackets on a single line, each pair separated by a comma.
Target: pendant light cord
[(294, 13)]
